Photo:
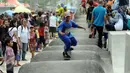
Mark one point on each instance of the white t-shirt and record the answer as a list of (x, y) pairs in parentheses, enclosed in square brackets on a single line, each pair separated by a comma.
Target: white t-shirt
[(119, 24), (53, 21), (24, 34), (11, 31)]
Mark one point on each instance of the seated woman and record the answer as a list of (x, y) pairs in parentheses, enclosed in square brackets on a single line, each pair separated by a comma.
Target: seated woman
[(116, 22)]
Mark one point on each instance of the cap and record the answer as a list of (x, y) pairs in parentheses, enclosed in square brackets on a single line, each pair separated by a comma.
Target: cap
[(67, 14)]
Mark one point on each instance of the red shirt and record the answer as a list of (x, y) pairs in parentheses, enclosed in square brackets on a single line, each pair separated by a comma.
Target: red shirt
[(83, 3), (95, 4), (41, 31)]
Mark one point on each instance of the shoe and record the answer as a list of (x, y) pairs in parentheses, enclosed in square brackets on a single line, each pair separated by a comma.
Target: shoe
[(105, 45), (90, 36), (71, 49), (24, 59), (65, 54), (18, 65)]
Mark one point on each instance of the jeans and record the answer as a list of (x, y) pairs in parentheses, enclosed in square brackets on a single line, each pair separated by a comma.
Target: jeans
[(38, 41), (110, 27), (24, 50), (68, 42), (100, 33)]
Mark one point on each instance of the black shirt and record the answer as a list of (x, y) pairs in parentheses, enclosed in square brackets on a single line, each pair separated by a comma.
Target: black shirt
[(3, 32), (89, 14)]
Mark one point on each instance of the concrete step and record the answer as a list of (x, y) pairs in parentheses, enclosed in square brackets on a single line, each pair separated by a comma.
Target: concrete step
[(57, 56), (82, 16), (102, 53), (81, 31), (80, 66), (79, 47), (81, 41)]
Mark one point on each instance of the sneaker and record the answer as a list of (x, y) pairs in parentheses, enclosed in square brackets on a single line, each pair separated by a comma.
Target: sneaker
[(18, 65), (90, 36), (24, 59), (105, 45), (66, 55), (71, 49)]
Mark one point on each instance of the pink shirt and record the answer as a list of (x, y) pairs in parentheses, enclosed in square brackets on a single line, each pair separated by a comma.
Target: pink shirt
[(10, 57)]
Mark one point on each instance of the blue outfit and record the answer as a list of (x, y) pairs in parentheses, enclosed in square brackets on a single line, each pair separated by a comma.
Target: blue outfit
[(99, 12), (68, 39)]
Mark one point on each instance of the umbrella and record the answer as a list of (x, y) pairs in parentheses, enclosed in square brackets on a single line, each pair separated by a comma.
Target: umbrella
[(22, 9), (9, 12)]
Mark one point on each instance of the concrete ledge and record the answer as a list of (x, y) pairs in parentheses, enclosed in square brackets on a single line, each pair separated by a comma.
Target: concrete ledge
[(127, 53), (117, 44)]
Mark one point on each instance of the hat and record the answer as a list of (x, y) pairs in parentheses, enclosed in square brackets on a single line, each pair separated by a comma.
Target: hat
[(67, 14)]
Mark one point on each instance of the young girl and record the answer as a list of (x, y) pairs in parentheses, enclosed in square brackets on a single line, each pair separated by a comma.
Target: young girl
[(9, 57), (46, 33), (37, 38), (32, 43)]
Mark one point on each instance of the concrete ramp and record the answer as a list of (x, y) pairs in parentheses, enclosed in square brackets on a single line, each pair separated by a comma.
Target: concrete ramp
[(62, 67), (81, 41), (79, 47)]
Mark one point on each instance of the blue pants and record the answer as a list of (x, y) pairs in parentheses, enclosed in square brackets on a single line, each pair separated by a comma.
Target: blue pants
[(68, 41), (38, 42), (24, 50)]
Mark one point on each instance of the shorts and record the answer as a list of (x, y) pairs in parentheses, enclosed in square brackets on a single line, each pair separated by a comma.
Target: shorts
[(42, 40), (52, 29), (18, 57)]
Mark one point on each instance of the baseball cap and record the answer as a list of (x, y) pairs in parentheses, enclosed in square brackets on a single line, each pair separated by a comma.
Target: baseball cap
[(67, 14)]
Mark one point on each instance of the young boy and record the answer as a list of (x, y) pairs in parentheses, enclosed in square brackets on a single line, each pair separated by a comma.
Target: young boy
[(89, 17), (9, 56)]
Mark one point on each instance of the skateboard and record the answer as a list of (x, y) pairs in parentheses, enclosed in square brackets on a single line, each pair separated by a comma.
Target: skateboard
[(69, 52)]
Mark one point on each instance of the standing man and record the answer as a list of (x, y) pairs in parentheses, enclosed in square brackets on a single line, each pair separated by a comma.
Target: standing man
[(98, 20), (24, 36), (53, 22), (68, 39)]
